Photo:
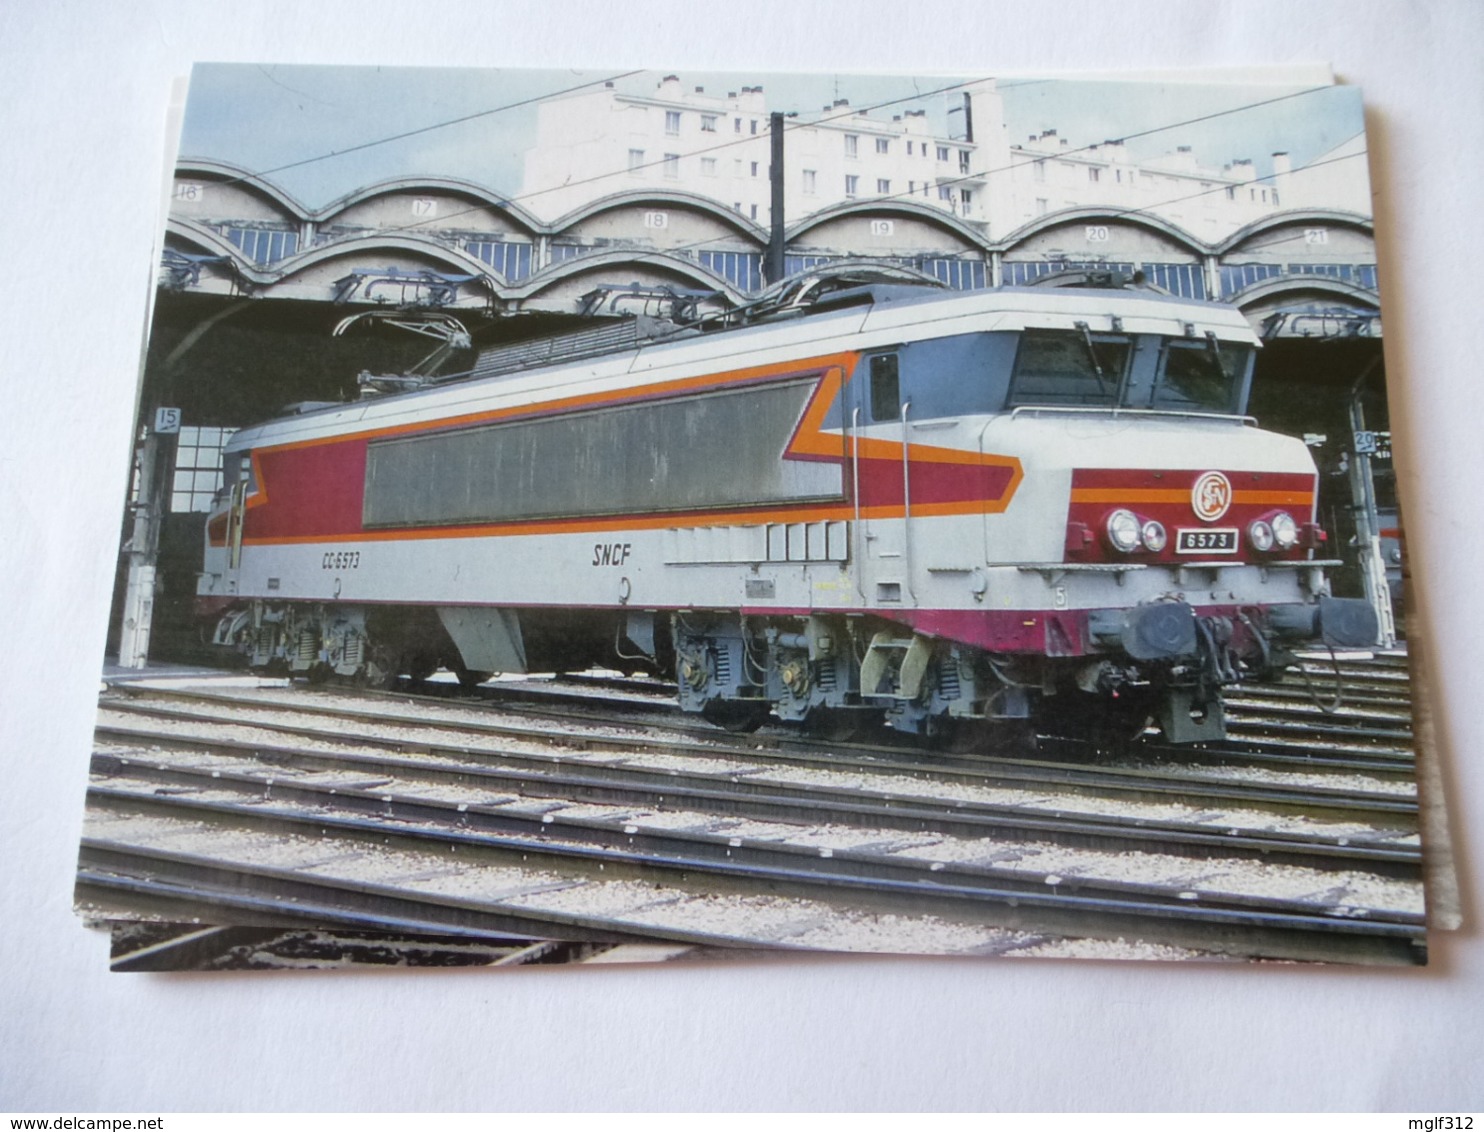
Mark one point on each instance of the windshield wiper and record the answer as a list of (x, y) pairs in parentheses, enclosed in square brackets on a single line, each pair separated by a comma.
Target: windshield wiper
[(1215, 349), (1092, 353)]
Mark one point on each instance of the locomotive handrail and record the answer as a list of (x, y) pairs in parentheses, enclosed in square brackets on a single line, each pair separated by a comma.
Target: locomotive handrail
[(855, 495), (1121, 411), (1053, 572), (907, 504)]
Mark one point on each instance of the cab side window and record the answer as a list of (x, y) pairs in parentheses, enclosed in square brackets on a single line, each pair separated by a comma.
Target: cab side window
[(886, 388)]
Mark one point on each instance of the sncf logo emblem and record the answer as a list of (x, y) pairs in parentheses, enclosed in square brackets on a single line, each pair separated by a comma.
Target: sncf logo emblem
[(1211, 496)]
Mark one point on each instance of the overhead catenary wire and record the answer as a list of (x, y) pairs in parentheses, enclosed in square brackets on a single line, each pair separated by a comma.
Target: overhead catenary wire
[(444, 124), (851, 112), (1111, 210)]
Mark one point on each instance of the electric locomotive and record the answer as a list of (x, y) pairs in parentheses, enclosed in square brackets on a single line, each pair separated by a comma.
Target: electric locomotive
[(1036, 507)]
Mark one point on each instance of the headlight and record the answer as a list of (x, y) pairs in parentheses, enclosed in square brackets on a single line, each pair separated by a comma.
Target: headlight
[(1285, 531), (1260, 534), (1123, 530), (1153, 536)]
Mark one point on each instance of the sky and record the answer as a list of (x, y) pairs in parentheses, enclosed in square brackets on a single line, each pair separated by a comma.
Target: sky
[(322, 132)]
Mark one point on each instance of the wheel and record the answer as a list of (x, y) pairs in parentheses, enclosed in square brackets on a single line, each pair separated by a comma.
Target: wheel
[(380, 669), (838, 725), (1110, 726), (421, 665), (470, 677), (956, 736), (741, 716)]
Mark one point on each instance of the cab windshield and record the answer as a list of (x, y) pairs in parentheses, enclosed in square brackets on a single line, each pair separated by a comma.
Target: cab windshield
[(1058, 367), (1078, 368), (1201, 376)]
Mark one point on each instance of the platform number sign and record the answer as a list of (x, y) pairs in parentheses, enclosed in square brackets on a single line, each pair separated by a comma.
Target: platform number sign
[(167, 421), (1316, 235), (656, 220), (883, 227), (424, 207), (1097, 233), (1374, 444)]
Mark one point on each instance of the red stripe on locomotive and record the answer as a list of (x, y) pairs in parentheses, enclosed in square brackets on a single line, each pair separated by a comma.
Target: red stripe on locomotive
[(1166, 496)]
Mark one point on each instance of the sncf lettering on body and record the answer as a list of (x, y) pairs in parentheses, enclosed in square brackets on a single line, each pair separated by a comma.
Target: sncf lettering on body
[(611, 553)]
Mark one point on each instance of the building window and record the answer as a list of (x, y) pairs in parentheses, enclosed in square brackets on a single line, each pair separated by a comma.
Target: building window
[(672, 165), (511, 259), (264, 245), (911, 188), (809, 182), (736, 125), (745, 269), (883, 185), (1038, 171), (852, 184), (754, 125), (1042, 204), (1118, 175), (963, 161), (1231, 192), (966, 198), (752, 211), (708, 166), (754, 168), (942, 153), (636, 160), (1093, 174), (708, 123), (672, 121), (883, 145), (852, 143), (909, 149), (737, 207), (945, 193), (198, 468)]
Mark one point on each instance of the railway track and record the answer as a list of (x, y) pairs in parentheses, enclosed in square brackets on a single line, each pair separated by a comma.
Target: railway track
[(825, 884), (839, 856), (730, 793), (189, 947), (1174, 783), (1276, 726)]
